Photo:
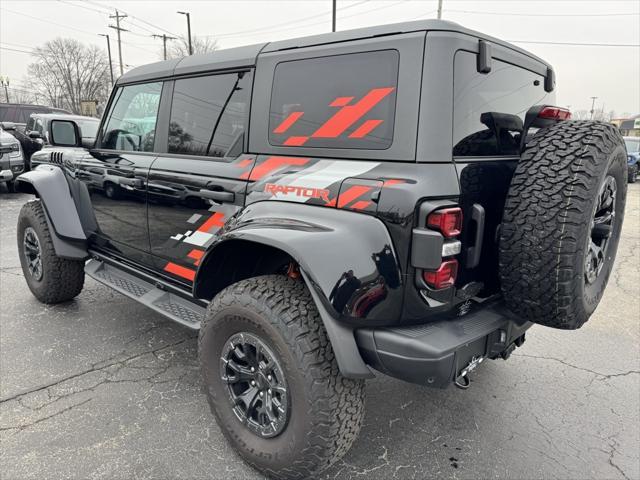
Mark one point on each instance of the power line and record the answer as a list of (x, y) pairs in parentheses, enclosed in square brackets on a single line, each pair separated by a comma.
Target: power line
[(137, 18), (297, 21), (49, 22)]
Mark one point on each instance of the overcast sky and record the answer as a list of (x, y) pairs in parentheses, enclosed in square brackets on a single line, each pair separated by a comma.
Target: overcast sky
[(610, 73)]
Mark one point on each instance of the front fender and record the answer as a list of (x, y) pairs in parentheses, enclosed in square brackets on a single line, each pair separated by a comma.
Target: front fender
[(48, 182), (347, 257)]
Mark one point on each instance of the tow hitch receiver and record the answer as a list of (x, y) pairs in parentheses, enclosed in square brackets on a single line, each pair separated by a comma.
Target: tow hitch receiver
[(462, 381)]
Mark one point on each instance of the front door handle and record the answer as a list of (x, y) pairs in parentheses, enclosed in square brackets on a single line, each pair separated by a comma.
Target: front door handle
[(218, 195)]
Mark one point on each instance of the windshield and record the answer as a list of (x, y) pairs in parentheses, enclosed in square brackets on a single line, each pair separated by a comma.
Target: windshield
[(633, 146), (89, 128)]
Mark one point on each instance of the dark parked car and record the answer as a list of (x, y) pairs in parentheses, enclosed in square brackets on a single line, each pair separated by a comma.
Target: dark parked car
[(37, 132), (403, 198), (19, 113), (633, 157)]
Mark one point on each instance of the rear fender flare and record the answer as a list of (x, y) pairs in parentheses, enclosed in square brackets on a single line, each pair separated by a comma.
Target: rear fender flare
[(334, 249)]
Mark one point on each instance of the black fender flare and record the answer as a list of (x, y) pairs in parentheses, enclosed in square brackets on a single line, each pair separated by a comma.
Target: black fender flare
[(48, 183), (329, 245)]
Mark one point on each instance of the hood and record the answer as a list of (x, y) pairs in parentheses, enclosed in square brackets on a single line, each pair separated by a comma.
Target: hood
[(7, 138)]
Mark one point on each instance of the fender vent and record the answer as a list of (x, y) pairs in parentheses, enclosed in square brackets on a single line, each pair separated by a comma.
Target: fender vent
[(56, 158)]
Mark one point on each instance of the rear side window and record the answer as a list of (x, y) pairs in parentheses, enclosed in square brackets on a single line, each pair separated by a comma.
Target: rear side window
[(131, 122), (342, 101), (207, 114), (489, 108)]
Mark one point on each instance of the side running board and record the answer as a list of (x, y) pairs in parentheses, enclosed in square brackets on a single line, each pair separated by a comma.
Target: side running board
[(168, 304)]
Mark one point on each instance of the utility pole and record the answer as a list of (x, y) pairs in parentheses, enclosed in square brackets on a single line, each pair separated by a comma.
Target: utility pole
[(188, 30), (164, 42), (4, 81), (118, 16), (439, 9), (593, 102), (333, 17), (109, 51)]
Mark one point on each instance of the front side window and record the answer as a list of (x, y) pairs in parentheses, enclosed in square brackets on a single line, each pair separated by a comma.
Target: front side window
[(342, 101), (489, 109), (208, 114), (131, 123)]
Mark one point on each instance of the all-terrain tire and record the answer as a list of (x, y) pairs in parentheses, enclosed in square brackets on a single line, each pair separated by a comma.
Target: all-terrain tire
[(61, 279), (547, 225), (325, 410)]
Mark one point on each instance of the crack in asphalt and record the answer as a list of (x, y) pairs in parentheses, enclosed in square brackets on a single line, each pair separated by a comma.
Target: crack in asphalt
[(43, 419), (93, 368), (604, 376)]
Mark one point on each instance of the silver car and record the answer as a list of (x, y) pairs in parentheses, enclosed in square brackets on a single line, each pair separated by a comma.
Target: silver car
[(11, 158)]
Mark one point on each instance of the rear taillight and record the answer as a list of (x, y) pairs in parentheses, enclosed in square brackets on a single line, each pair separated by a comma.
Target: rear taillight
[(444, 277), (554, 113), (447, 220)]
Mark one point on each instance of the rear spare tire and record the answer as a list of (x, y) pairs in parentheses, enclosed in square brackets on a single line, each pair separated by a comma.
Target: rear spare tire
[(562, 221)]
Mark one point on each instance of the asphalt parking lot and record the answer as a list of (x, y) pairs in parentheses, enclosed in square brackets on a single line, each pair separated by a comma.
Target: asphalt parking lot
[(102, 387)]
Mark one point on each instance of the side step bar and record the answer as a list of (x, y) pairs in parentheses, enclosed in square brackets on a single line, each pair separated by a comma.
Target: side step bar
[(168, 304)]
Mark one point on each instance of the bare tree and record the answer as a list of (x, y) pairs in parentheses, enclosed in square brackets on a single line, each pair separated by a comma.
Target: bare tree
[(67, 72), (180, 47)]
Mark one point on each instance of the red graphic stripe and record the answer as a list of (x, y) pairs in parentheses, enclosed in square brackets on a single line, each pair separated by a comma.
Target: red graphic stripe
[(365, 128), (196, 255), (180, 271), (351, 194), (361, 205), (348, 115), (341, 101), (214, 220), (271, 164), (287, 122), (295, 141), (393, 181), (244, 163)]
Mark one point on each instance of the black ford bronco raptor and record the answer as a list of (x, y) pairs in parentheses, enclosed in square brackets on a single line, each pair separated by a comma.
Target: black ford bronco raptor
[(403, 198)]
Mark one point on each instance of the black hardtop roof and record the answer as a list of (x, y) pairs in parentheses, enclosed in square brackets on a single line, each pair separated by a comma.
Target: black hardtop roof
[(239, 57)]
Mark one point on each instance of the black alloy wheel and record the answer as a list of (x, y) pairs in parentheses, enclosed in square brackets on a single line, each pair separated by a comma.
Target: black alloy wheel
[(256, 384), (32, 253), (601, 227)]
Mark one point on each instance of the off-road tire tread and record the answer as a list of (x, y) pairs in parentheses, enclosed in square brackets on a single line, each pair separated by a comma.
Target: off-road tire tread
[(63, 278), (337, 405), (543, 229)]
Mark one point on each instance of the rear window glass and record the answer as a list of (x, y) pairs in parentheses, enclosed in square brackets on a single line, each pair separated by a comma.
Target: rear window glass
[(208, 114), (342, 101), (489, 108)]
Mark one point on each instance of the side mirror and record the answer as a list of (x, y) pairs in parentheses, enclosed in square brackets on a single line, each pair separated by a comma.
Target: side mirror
[(65, 133), (35, 134), (8, 126)]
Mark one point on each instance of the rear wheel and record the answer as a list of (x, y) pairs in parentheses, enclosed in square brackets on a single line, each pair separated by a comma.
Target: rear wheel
[(562, 222), (272, 380), (50, 278)]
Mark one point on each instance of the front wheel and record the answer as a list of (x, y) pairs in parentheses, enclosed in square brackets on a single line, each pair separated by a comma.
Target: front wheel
[(50, 278), (272, 380)]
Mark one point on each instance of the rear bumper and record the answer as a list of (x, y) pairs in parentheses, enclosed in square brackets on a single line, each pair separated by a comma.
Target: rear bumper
[(434, 354)]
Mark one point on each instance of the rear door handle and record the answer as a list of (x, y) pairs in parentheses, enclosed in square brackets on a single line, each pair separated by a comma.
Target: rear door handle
[(218, 195)]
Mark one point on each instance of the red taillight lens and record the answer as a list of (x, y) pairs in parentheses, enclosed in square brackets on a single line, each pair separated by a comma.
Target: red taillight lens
[(555, 113), (447, 220), (444, 277)]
